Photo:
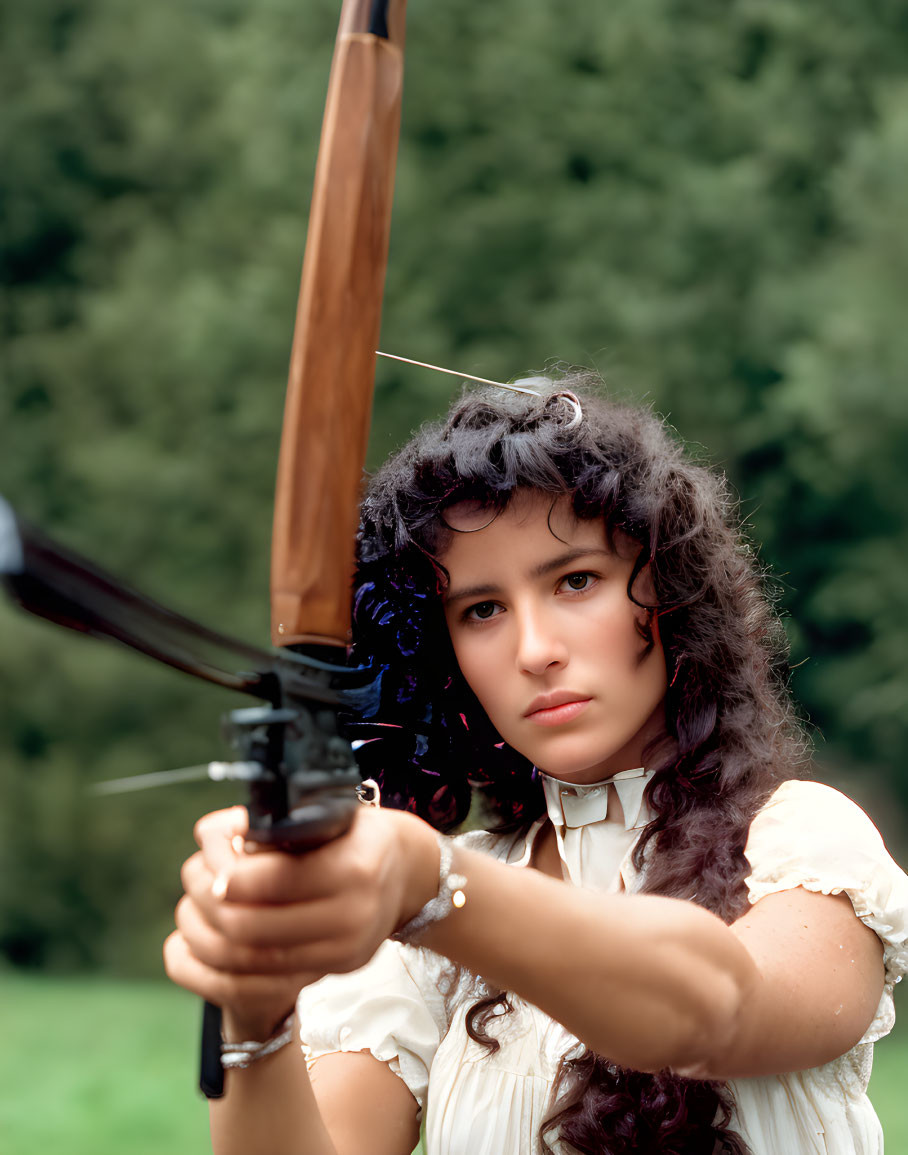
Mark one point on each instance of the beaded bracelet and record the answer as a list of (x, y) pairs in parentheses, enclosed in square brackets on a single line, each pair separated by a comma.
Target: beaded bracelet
[(450, 896), (243, 1054)]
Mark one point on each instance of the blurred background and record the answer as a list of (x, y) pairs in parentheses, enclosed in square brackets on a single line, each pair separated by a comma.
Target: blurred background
[(704, 202)]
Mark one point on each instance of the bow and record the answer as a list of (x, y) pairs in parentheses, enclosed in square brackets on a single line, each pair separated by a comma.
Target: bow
[(329, 393), (301, 773)]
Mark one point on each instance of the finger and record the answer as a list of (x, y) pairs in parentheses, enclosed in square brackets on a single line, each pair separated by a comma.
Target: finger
[(277, 878), (327, 936), (254, 922), (349, 863), (206, 889), (241, 871), (220, 835), (267, 878), (290, 924), (215, 948), (197, 878), (263, 995)]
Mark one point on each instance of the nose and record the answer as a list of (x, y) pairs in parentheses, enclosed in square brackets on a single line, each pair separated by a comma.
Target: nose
[(540, 646)]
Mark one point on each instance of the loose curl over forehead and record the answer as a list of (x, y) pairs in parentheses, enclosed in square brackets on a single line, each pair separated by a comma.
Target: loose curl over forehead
[(730, 735)]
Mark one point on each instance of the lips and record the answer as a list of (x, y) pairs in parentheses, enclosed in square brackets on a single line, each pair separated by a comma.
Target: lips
[(556, 708)]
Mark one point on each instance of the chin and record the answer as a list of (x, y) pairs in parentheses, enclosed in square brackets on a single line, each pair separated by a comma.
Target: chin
[(588, 768), (583, 773)]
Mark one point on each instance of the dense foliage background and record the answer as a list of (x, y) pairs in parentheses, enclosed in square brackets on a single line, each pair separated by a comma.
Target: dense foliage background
[(704, 201)]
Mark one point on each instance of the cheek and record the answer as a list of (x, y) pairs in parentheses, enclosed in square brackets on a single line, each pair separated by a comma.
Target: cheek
[(627, 647), (481, 671), (619, 634), (469, 661)]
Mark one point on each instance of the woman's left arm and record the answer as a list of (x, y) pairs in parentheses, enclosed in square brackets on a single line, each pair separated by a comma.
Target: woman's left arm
[(820, 978), (655, 982), (651, 982)]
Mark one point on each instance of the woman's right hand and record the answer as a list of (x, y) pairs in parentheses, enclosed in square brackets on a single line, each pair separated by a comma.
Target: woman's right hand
[(224, 951), (254, 928)]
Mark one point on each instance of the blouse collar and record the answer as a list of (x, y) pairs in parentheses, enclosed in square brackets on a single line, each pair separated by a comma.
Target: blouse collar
[(572, 805)]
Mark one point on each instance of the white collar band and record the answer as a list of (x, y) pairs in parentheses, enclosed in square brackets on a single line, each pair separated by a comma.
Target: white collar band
[(575, 804)]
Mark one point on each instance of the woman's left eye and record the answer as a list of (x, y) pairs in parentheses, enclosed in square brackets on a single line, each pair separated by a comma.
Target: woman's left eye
[(578, 581)]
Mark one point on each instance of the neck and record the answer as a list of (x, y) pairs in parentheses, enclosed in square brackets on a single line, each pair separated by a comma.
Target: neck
[(635, 772)]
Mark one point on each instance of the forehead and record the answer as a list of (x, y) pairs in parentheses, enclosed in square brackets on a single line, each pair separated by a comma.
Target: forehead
[(531, 524)]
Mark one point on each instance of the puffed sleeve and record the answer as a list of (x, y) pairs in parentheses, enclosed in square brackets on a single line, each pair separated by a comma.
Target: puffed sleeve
[(812, 836), (391, 1007)]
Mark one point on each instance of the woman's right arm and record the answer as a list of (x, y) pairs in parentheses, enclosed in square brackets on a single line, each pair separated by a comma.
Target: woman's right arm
[(347, 1104)]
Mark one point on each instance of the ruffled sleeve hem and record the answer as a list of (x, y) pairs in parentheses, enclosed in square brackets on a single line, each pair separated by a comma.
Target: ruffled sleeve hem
[(811, 836), (407, 1067), (390, 1008)]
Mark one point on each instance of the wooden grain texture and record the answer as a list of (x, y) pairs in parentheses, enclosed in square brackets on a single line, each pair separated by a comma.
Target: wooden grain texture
[(332, 365)]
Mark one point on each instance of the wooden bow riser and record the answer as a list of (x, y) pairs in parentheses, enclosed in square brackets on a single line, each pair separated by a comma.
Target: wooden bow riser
[(332, 366)]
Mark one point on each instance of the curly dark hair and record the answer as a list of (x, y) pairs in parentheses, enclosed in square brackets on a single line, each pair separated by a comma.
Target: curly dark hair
[(730, 732)]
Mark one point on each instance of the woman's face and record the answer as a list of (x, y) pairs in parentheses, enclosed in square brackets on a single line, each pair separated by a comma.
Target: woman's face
[(548, 640)]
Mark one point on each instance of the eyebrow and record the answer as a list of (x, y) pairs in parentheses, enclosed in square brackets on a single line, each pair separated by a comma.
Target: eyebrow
[(541, 570)]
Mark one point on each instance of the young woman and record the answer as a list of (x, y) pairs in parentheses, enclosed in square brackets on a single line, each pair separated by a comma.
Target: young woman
[(664, 941)]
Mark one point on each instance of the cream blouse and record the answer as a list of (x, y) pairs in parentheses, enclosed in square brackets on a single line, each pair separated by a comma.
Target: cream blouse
[(401, 1007)]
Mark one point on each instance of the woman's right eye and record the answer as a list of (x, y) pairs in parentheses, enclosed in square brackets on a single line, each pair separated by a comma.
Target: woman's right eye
[(482, 611)]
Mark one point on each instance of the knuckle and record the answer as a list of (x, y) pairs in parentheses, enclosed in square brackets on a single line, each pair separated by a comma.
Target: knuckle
[(277, 959), (167, 952), (187, 870), (201, 828), (234, 820), (358, 873), (181, 911)]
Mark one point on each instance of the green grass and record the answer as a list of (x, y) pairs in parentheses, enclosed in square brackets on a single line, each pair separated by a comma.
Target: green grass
[(92, 1067), (97, 1067)]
